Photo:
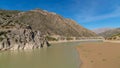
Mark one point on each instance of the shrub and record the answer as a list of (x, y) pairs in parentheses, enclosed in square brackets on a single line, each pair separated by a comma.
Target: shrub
[(2, 33), (51, 38), (69, 38), (1, 38)]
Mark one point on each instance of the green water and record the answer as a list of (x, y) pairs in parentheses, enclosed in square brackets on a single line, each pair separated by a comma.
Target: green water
[(62, 55)]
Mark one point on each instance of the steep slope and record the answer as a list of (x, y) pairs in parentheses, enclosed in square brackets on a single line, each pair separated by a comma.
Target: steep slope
[(47, 22), (7, 17), (18, 36), (110, 33), (81, 30), (116, 36), (101, 30), (53, 24)]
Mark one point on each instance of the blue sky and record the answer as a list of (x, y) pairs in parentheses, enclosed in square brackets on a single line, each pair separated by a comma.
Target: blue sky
[(91, 14)]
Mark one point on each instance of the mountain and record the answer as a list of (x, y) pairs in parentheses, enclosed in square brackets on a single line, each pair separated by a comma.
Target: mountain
[(18, 36), (115, 37), (110, 33), (101, 30), (48, 23)]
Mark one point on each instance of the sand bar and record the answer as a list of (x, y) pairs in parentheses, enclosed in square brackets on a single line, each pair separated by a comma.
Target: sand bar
[(99, 55)]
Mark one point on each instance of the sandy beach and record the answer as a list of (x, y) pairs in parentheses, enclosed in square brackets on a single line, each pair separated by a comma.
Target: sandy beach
[(112, 41), (99, 55), (85, 40)]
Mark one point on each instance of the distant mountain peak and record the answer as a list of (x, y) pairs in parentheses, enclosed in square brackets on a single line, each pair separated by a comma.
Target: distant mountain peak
[(110, 33), (101, 30)]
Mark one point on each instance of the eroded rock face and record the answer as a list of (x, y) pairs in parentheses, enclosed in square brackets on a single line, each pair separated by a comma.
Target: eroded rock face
[(22, 38)]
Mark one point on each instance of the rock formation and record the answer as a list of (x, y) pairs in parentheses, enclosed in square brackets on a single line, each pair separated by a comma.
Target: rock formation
[(22, 37)]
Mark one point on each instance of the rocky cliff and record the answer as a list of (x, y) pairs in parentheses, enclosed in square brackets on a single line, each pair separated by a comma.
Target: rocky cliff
[(15, 35), (21, 37)]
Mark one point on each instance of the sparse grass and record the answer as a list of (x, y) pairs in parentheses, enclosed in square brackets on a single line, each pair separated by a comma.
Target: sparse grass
[(2, 33), (51, 38), (69, 38), (116, 35), (1, 38), (47, 24)]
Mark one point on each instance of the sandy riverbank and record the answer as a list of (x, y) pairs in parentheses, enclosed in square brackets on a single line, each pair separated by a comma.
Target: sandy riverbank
[(63, 41), (112, 41), (99, 55)]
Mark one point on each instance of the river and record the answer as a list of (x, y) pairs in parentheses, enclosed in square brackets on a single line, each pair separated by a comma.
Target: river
[(62, 55)]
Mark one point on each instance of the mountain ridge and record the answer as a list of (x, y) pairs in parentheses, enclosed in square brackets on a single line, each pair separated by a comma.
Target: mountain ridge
[(101, 30), (50, 23), (110, 33)]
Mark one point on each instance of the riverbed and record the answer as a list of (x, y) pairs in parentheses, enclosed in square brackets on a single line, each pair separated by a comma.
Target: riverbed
[(99, 55)]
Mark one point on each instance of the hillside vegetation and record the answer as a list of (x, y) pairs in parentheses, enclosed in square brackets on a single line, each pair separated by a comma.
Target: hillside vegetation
[(111, 34), (48, 23)]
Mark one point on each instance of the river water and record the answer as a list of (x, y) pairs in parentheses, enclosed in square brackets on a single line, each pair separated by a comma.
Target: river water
[(62, 55)]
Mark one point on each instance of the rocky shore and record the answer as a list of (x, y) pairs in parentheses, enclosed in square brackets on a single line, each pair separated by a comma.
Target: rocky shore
[(21, 38)]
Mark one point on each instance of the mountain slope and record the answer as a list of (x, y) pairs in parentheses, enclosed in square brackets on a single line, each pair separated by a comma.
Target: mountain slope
[(101, 30), (50, 23), (110, 33), (18, 36)]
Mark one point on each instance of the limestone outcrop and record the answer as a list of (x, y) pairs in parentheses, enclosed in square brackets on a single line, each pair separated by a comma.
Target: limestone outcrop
[(21, 37)]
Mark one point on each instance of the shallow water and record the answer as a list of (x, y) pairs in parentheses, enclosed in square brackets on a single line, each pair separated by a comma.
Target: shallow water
[(62, 55)]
